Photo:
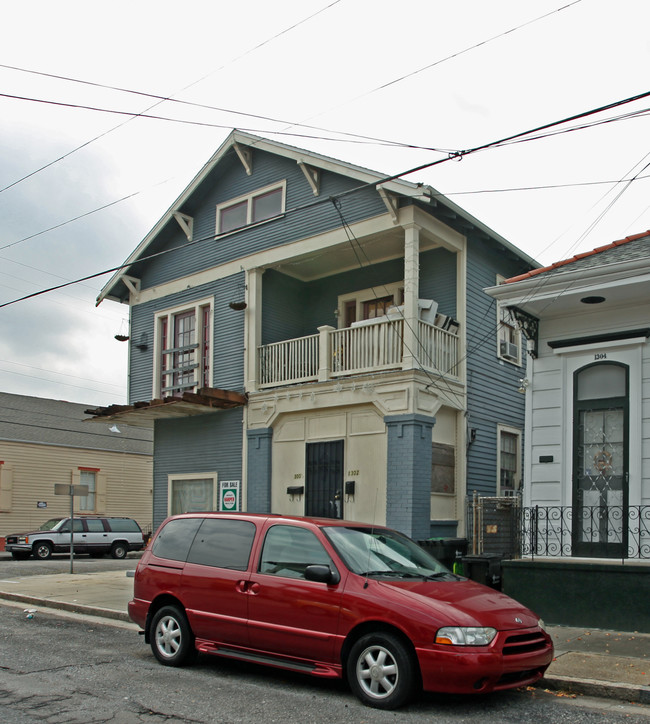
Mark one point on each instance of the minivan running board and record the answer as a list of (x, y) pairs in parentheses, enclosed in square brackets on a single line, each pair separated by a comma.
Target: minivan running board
[(256, 658)]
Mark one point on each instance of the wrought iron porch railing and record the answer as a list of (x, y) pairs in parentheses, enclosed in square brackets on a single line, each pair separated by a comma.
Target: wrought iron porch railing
[(612, 531)]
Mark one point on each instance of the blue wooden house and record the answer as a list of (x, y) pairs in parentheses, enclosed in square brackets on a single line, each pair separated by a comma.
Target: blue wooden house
[(309, 337)]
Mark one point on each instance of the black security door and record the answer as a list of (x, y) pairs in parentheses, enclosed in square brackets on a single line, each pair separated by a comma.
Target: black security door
[(324, 483), (600, 482)]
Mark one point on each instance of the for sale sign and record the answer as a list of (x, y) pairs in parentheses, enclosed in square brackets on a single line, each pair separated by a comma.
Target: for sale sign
[(229, 494)]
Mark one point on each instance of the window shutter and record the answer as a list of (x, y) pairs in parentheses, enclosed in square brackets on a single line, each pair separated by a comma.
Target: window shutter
[(6, 487), (100, 493)]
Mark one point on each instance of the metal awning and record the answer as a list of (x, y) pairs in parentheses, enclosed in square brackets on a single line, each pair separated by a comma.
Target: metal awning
[(144, 414)]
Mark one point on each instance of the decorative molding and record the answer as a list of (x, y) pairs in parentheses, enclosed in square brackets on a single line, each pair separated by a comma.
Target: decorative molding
[(312, 175), (245, 154), (186, 222)]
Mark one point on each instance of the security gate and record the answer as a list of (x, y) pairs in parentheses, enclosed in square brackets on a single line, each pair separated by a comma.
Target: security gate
[(324, 481)]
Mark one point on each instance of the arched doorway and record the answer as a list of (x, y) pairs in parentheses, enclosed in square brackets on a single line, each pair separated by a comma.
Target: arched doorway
[(600, 460)]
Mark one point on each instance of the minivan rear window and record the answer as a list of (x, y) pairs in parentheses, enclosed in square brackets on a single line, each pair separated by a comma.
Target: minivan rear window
[(175, 539), (223, 544)]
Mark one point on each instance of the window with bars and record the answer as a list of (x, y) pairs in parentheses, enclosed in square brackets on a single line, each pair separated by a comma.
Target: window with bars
[(184, 349)]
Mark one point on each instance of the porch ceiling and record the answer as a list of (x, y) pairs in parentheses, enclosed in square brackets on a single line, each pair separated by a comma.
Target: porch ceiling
[(350, 253), (143, 414)]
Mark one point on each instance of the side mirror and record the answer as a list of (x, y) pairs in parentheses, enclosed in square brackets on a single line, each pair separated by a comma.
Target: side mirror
[(322, 574)]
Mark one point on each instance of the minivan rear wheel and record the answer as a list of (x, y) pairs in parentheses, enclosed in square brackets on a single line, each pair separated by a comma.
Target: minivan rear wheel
[(172, 640), (382, 670)]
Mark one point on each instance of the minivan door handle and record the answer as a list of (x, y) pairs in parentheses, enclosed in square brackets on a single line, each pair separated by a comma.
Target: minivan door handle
[(247, 587)]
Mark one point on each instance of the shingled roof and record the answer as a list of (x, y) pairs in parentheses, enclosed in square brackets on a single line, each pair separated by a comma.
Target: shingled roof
[(56, 422), (618, 251)]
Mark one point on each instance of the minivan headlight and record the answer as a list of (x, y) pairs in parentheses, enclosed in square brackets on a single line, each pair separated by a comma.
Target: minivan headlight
[(465, 635)]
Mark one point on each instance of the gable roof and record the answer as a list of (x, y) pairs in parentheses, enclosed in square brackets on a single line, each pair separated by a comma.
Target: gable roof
[(64, 424), (617, 251), (364, 176)]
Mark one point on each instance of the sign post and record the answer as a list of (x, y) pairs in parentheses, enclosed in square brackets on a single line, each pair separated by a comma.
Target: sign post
[(71, 490)]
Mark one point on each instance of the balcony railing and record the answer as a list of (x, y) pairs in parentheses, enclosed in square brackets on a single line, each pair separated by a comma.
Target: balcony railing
[(612, 531), (364, 347)]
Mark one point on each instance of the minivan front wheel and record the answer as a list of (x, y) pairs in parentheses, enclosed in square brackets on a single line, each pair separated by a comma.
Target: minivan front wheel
[(172, 640), (382, 671)]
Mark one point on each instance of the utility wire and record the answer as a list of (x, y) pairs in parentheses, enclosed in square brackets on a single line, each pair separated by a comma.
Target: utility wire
[(162, 100), (357, 189)]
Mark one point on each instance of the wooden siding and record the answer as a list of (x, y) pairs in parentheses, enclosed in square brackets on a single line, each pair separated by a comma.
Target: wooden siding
[(204, 444), (227, 352), (492, 383), (230, 181), (37, 468)]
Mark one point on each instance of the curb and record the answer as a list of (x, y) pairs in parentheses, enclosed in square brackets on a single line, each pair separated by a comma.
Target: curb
[(64, 606), (599, 689)]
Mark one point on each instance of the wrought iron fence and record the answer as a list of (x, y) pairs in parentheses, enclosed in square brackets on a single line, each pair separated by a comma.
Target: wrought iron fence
[(599, 531)]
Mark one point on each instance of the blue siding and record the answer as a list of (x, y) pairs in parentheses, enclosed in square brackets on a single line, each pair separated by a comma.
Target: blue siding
[(228, 347), (203, 444), (229, 180), (492, 383)]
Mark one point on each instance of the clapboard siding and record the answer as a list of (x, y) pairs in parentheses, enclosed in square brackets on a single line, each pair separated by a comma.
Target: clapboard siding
[(230, 181), (203, 444), (492, 396), (227, 352)]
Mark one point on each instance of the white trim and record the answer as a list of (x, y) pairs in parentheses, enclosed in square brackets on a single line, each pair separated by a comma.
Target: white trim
[(518, 473), (249, 198), (157, 347), (367, 295), (193, 476), (630, 341)]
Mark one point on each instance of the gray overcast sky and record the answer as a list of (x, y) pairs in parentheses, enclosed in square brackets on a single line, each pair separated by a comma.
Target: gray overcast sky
[(351, 68)]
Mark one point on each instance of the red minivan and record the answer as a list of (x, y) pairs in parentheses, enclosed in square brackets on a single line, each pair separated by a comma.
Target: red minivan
[(330, 598)]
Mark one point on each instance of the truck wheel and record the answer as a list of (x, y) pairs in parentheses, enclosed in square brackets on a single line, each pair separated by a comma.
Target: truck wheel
[(382, 671), (42, 550), (172, 640), (119, 550)]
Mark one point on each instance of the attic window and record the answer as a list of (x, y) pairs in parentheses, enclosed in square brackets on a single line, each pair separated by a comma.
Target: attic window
[(253, 208)]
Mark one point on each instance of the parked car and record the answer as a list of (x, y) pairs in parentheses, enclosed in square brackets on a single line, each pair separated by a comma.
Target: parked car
[(92, 534), (333, 599)]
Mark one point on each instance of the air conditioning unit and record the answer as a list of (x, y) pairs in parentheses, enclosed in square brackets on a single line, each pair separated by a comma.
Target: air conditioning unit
[(509, 350)]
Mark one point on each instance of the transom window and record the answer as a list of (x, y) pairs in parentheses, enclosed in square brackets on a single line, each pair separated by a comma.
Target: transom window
[(251, 209), (184, 344)]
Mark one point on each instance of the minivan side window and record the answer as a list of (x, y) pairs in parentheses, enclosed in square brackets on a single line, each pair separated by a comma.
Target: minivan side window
[(175, 539), (223, 544), (288, 550)]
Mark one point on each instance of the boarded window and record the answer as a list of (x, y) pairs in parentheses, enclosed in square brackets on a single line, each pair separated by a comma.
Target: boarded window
[(443, 469)]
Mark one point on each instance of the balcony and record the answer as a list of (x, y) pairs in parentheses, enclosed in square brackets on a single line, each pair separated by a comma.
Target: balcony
[(367, 346)]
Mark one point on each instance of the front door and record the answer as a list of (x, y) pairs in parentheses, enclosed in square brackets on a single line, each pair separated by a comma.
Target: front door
[(324, 480), (600, 481)]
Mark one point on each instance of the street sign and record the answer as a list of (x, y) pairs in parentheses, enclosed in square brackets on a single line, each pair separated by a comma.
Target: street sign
[(62, 489), (71, 490)]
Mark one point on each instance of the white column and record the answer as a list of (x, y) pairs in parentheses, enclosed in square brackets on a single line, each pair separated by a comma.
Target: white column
[(411, 353), (253, 331), (324, 353)]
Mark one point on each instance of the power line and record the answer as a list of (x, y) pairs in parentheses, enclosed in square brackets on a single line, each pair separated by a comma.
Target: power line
[(101, 135), (357, 189)]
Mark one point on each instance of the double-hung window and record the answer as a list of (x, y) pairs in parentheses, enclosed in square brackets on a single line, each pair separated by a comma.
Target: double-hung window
[(509, 335), (183, 344), (253, 208), (509, 440)]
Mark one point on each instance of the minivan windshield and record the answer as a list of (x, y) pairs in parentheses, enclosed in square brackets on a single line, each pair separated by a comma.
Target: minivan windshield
[(382, 552), (51, 523)]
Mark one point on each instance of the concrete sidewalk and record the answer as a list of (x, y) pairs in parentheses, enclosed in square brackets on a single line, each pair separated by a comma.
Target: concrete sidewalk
[(587, 661)]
